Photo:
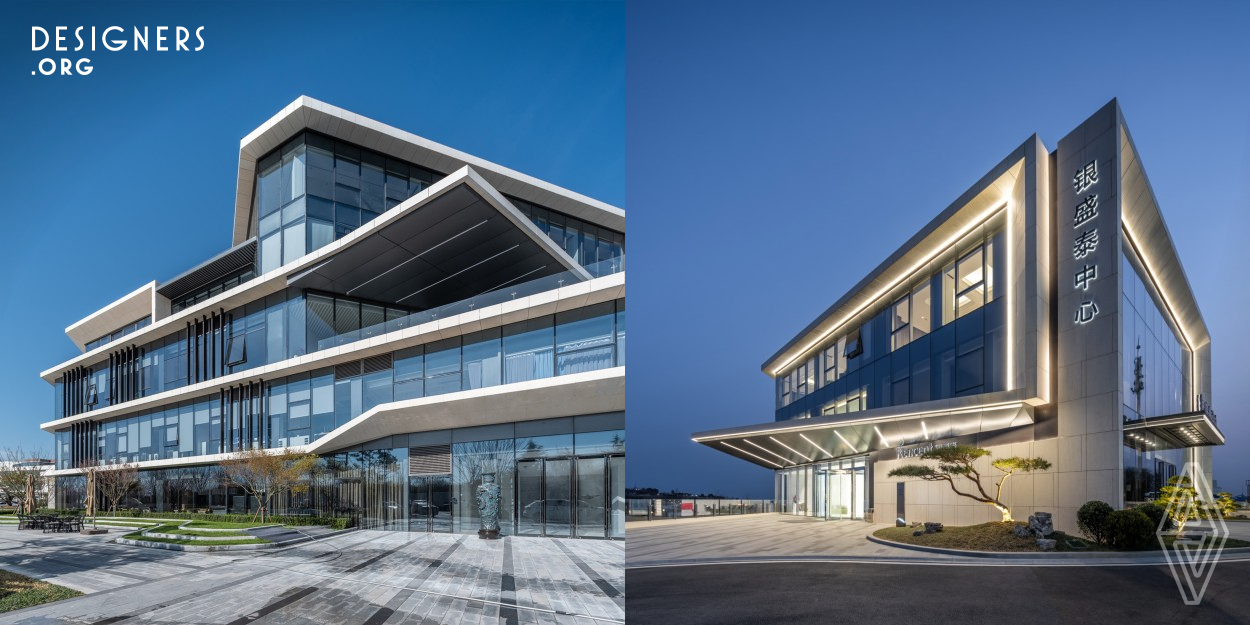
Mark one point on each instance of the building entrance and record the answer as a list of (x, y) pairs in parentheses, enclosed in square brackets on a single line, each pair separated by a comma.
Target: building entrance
[(430, 503)]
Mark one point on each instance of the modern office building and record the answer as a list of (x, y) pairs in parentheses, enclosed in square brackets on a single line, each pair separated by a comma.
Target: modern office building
[(1044, 313), (415, 316)]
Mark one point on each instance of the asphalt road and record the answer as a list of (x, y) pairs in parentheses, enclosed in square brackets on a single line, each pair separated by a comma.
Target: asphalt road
[(869, 593)]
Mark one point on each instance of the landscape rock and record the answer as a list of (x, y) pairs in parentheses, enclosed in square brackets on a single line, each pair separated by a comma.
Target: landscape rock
[(1023, 531), (932, 528), (1046, 544), (918, 533), (1041, 524)]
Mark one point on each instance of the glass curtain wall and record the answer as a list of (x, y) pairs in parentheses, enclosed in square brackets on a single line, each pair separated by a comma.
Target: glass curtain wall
[(1153, 383), (569, 485), (943, 336), (832, 490), (302, 408)]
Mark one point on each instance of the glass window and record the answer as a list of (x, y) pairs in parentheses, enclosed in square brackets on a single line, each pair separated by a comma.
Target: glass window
[(620, 333), (378, 389), (970, 281), (442, 367), (529, 350), (584, 339), (409, 373), (901, 323), (921, 309), (948, 294), (482, 361)]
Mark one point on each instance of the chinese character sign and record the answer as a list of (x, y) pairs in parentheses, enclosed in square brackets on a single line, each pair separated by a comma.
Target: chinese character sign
[(1086, 212)]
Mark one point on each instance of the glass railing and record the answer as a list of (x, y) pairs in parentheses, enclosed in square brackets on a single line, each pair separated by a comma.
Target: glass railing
[(489, 298)]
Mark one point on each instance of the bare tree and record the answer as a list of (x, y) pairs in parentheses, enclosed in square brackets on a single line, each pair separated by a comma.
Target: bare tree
[(14, 470), (263, 474), (115, 482)]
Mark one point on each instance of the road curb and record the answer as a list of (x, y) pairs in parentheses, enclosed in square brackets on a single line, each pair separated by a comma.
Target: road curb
[(1017, 555)]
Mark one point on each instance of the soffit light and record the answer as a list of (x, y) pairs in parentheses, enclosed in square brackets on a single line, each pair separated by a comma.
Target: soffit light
[(743, 451)]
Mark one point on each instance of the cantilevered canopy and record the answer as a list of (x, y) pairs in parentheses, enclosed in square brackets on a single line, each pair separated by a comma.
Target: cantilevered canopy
[(1190, 429), (461, 243), (800, 441)]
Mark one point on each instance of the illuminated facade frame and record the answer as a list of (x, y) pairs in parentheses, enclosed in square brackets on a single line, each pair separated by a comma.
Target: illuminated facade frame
[(1068, 213)]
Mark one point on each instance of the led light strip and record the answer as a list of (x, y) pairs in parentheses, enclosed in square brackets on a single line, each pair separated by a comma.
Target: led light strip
[(743, 451), (822, 449), (848, 443), (805, 456), (761, 447), (976, 223), (883, 441)]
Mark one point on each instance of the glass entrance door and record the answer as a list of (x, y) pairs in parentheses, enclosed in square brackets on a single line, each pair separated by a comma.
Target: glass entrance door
[(529, 497), (567, 497), (558, 483), (591, 500), (429, 503)]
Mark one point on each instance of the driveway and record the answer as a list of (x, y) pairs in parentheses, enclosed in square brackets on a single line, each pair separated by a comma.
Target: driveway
[(361, 577)]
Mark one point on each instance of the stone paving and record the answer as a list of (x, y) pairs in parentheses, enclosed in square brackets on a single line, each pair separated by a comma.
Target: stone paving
[(367, 577), (767, 537)]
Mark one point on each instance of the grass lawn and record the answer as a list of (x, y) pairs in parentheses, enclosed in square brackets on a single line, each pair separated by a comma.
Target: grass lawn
[(19, 591), (998, 537)]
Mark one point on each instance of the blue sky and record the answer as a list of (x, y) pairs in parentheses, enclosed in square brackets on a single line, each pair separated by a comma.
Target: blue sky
[(790, 148), (128, 174)]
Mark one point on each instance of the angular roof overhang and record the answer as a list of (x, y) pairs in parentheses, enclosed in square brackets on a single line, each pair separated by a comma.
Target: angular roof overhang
[(800, 441), (305, 266), (1179, 431), (309, 113), (131, 307), (1149, 238), (465, 241)]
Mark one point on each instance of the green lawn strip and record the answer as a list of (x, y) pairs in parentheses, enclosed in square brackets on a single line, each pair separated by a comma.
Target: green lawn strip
[(19, 591), (1000, 537)]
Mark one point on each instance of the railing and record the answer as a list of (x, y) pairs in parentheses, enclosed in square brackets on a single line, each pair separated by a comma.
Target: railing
[(490, 298), (661, 508)]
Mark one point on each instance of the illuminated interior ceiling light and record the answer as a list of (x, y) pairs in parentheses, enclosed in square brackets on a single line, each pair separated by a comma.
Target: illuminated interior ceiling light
[(815, 445), (925, 428), (805, 456), (977, 222), (743, 451), (883, 441), (848, 443), (761, 447)]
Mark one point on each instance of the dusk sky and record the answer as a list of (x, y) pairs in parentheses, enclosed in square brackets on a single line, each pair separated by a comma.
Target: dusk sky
[(778, 153), (127, 175)]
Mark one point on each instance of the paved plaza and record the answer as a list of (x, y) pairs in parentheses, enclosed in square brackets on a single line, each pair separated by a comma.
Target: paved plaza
[(778, 537), (367, 577)]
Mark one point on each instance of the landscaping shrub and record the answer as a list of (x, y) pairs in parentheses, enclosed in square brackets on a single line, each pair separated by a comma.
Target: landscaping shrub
[(1129, 529), (1157, 514), (1091, 519)]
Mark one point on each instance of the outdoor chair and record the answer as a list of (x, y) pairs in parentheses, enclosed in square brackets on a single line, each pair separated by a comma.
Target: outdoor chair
[(25, 522), (52, 524)]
